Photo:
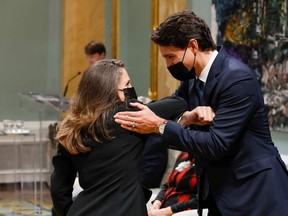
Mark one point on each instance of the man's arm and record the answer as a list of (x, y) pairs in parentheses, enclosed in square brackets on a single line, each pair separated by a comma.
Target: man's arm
[(145, 121), (236, 110), (201, 115)]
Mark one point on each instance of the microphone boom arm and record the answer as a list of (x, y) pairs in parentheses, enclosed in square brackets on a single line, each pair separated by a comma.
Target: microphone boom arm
[(66, 87)]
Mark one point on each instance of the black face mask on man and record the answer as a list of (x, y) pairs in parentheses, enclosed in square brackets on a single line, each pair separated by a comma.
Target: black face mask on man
[(180, 72)]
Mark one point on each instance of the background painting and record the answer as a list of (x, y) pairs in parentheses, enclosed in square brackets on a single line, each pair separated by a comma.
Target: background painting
[(256, 33)]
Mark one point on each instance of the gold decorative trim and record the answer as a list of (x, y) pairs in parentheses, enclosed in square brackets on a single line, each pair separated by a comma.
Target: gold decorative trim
[(115, 29), (152, 93)]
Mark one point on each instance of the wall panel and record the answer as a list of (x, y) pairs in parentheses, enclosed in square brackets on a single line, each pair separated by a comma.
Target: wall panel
[(83, 21)]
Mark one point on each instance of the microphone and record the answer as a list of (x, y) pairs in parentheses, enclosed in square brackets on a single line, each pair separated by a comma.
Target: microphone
[(66, 87)]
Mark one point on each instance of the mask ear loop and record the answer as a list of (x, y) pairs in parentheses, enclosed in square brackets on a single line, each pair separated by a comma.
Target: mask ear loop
[(194, 60), (194, 57), (184, 55)]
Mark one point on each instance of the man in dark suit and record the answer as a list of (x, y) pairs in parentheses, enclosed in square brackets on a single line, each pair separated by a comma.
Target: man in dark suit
[(239, 170)]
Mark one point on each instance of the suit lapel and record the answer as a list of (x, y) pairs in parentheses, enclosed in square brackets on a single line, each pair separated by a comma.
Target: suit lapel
[(215, 70)]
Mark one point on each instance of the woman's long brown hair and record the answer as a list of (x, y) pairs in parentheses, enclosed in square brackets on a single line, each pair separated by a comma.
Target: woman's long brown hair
[(91, 106)]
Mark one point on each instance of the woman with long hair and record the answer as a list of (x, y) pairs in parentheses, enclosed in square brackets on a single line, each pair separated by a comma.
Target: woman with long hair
[(106, 157)]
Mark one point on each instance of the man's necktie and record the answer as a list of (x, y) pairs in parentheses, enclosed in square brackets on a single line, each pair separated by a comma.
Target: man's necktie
[(204, 180), (200, 91)]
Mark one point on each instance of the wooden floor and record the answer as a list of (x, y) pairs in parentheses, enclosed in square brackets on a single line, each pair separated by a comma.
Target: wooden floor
[(26, 190)]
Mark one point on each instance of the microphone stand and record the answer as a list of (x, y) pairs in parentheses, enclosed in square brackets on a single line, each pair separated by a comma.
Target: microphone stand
[(66, 87)]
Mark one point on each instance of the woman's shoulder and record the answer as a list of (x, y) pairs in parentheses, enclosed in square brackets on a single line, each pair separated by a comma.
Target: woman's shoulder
[(122, 107)]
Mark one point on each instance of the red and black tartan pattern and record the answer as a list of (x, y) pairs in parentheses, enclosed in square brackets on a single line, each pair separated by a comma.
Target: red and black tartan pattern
[(181, 187)]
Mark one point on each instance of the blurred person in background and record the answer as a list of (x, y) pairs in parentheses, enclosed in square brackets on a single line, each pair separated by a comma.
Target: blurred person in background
[(95, 51)]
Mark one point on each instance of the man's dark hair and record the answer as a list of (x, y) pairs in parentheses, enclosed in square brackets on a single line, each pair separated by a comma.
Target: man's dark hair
[(94, 47), (179, 28)]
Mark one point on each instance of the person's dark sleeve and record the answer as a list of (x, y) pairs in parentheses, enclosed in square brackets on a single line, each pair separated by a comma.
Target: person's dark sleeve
[(154, 162), (182, 206), (161, 195), (62, 181), (169, 107)]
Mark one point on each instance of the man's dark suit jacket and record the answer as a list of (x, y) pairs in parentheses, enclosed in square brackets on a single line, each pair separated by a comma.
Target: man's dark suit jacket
[(236, 154)]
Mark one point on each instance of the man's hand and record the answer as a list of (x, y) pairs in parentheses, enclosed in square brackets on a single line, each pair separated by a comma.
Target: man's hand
[(144, 121), (201, 115)]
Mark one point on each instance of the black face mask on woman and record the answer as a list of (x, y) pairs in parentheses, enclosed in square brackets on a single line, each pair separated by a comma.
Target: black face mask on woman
[(130, 94), (180, 72)]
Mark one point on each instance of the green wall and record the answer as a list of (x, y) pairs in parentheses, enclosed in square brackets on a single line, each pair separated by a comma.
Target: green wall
[(29, 54), (135, 26), (201, 8)]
